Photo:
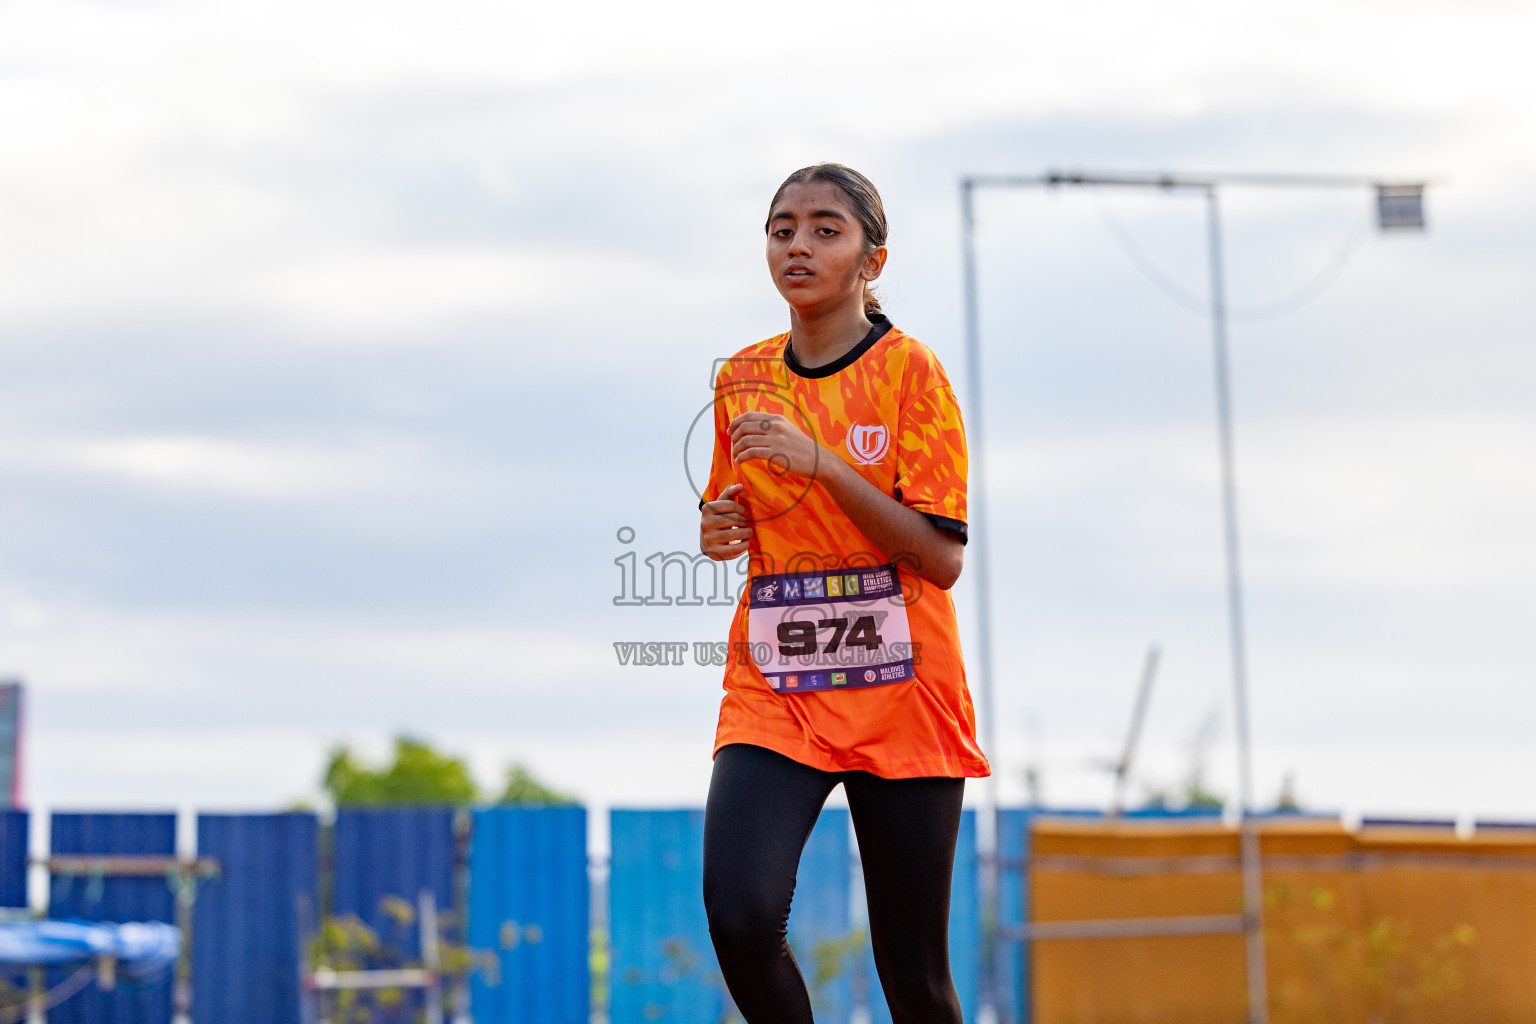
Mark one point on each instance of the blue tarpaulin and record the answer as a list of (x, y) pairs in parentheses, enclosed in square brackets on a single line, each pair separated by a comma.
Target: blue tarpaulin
[(142, 950)]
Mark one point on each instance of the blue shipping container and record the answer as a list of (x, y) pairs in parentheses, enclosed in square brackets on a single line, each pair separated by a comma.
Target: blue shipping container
[(384, 855), (247, 939), (664, 966), (15, 838), (1013, 911), (96, 898), (529, 902)]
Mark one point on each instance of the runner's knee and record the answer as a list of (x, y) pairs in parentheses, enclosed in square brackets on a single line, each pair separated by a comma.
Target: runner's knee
[(741, 918), (922, 999)]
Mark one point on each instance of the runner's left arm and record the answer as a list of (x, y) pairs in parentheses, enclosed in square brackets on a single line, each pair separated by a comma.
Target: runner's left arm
[(901, 533)]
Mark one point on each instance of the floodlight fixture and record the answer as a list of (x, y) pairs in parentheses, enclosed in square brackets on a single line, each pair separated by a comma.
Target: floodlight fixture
[(1399, 207)]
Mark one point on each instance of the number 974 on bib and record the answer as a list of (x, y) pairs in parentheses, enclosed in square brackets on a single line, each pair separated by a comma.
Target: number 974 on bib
[(831, 630)]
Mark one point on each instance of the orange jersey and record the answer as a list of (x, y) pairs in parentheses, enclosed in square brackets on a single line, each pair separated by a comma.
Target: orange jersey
[(841, 658)]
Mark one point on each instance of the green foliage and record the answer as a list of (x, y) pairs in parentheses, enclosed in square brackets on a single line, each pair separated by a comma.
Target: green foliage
[(833, 958), (1193, 791), (346, 943), (418, 775), (681, 962), (1287, 800), (1198, 794), (523, 788), (1378, 969), (829, 960), (599, 962), (13, 1000)]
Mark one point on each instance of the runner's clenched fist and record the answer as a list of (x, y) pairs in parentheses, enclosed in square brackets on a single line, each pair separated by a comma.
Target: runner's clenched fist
[(723, 529)]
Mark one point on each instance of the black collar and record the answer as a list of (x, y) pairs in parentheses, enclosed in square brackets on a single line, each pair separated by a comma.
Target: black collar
[(881, 326)]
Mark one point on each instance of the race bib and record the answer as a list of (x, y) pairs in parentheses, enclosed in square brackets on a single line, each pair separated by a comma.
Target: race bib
[(830, 630)]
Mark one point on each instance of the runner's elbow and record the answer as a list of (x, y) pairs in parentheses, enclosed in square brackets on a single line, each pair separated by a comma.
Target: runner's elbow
[(947, 571)]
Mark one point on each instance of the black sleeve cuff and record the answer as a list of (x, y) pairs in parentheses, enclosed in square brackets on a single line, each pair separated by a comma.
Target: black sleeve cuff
[(952, 525), (942, 522)]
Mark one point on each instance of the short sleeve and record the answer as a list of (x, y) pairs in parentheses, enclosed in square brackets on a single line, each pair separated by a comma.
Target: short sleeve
[(931, 459)]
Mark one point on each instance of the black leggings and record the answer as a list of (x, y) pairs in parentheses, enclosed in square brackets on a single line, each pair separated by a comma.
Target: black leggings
[(762, 807)]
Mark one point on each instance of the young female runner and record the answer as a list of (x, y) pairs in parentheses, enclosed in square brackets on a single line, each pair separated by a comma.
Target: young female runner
[(839, 466)]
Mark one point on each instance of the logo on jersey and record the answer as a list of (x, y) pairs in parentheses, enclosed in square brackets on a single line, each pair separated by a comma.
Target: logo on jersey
[(867, 445), (768, 592)]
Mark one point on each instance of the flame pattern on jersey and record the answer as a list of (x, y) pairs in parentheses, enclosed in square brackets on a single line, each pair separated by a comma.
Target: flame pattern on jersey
[(891, 415)]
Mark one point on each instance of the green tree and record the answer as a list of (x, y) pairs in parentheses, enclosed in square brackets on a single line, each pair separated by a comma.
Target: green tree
[(1193, 792), (1287, 800), (523, 788), (417, 775)]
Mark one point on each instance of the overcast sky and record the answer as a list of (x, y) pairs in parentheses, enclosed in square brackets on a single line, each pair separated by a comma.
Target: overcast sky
[(339, 340)]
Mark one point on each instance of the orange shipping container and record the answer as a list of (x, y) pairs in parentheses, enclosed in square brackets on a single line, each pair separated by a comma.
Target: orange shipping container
[(1383, 926)]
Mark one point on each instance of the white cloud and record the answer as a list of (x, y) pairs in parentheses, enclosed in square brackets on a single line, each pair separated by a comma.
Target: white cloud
[(222, 466), (1432, 500), (1429, 501), (78, 650), (384, 290), (158, 153), (368, 292)]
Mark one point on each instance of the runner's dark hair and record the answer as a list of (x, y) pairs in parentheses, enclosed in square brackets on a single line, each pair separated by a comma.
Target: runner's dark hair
[(862, 196)]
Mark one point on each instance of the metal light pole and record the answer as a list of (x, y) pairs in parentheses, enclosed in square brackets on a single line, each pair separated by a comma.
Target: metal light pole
[(1253, 885), (977, 488), (1399, 205)]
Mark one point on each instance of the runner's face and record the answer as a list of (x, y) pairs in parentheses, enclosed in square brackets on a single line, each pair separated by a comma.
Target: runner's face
[(816, 247)]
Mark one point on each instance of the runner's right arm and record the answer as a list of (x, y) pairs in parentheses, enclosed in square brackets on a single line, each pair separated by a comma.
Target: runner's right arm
[(723, 529)]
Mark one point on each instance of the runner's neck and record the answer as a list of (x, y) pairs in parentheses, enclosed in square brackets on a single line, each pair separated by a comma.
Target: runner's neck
[(822, 339)]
